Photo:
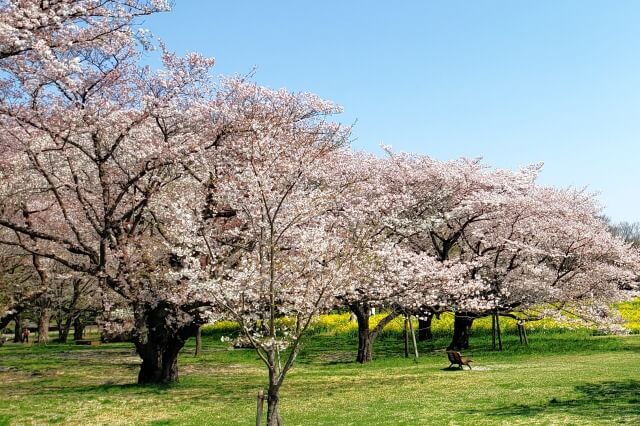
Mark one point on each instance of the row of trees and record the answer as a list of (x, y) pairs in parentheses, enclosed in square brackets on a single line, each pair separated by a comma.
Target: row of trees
[(186, 199), (68, 301)]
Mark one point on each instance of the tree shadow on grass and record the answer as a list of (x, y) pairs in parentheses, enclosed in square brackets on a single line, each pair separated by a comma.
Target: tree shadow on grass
[(455, 369), (226, 388), (104, 389), (603, 401)]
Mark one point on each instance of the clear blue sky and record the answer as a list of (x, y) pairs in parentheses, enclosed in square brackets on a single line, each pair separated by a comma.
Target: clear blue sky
[(515, 82)]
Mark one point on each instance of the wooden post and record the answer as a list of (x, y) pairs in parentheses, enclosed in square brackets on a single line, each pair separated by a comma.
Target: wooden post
[(405, 334), (198, 342), (260, 408), (413, 337), (520, 332), (524, 334), (493, 331), (498, 332)]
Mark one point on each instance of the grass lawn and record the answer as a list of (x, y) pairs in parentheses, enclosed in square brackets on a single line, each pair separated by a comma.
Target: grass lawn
[(563, 377)]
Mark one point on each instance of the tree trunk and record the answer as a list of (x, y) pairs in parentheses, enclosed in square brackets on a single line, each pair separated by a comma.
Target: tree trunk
[(17, 330), (16, 308), (499, 333), (43, 326), (198, 342), (461, 330), (158, 341), (365, 342), (63, 330), (424, 327), (367, 336), (493, 331), (159, 362), (78, 329), (273, 414)]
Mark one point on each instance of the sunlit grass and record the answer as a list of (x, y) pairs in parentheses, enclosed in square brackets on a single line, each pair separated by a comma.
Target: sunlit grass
[(562, 377)]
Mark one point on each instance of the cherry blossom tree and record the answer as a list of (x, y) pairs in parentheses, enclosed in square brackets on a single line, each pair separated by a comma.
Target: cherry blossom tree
[(549, 248), (90, 139), (444, 200), (387, 273), (45, 35), (263, 242), (392, 276), (513, 235)]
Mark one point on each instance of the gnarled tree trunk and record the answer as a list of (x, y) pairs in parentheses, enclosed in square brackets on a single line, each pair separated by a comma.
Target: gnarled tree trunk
[(78, 329), (63, 329), (160, 334), (365, 342), (461, 331), (367, 336)]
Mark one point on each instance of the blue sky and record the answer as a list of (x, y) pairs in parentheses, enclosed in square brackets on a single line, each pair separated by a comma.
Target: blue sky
[(514, 82)]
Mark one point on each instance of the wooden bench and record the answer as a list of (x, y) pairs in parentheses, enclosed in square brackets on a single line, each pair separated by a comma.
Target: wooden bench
[(457, 358)]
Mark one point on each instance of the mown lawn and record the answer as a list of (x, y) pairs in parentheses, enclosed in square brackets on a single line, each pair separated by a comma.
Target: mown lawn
[(562, 377)]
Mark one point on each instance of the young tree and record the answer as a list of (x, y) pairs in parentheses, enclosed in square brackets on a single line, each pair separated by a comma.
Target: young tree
[(263, 242)]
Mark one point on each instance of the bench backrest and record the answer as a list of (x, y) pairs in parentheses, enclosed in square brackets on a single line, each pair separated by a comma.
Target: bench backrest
[(454, 357)]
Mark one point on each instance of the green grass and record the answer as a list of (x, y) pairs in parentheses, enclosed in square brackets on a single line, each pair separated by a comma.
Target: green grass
[(562, 377)]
